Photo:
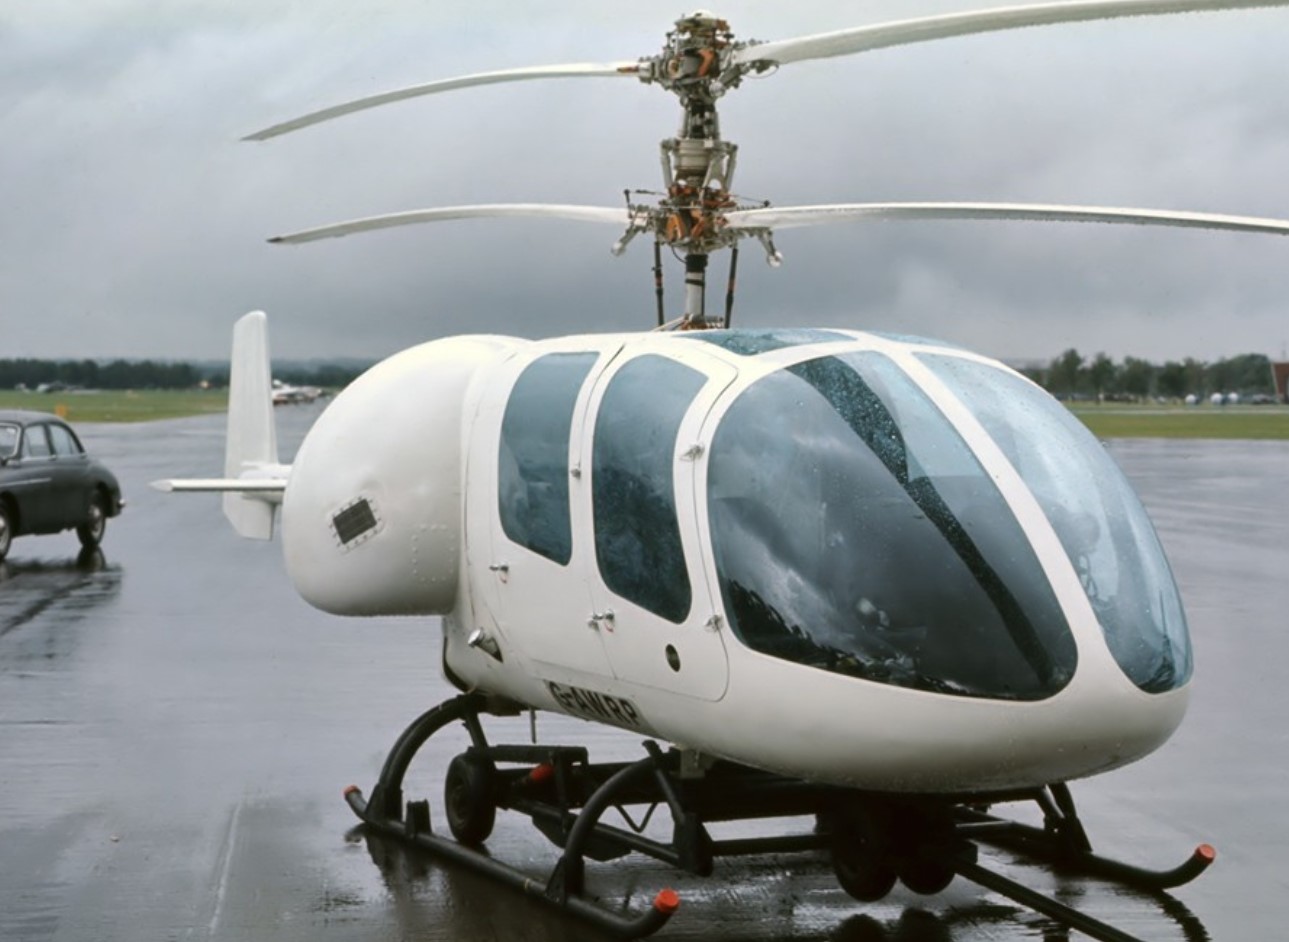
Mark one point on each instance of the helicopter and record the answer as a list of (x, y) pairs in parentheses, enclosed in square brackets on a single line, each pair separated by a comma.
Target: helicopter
[(875, 580)]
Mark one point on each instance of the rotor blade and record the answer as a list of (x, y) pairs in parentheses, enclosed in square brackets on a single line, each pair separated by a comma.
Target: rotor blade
[(618, 216), (880, 36), (789, 217), (574, 70)]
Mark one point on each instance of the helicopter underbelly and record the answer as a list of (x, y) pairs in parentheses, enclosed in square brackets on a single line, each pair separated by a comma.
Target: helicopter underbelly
[(857, 733)]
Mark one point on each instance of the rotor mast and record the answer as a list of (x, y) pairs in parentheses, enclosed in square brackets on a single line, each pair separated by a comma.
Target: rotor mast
[(697, 165)]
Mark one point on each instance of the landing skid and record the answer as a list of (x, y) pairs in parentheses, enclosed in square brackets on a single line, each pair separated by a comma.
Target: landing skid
[(873, 839)]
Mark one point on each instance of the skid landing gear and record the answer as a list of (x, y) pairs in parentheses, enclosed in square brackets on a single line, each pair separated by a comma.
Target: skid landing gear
[(873, 840)]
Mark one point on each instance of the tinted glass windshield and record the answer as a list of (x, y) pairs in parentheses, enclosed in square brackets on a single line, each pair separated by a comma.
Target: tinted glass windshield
[(1095, 513), (8, 441), (855, 532)]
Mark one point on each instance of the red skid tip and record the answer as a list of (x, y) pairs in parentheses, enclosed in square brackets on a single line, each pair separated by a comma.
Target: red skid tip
[(350, 789), (1206, 853), (541, 773), (667, 901)]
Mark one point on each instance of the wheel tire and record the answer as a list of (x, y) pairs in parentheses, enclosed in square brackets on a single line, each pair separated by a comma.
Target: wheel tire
[(860, 874), (90, 533), (859, 858), (468, 799), (6, 531), (927, 877)]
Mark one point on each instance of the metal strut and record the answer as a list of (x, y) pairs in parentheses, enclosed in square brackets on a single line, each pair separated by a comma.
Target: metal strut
[(566, 796), (383, 814), (729, 286), (1063, 841), (1039, 903)]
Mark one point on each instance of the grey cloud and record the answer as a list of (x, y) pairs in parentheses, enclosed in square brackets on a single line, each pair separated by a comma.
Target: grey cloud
[(134, 218)]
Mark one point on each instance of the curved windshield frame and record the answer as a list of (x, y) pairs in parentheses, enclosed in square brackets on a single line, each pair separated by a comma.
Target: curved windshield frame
[(854, 531), (1097, 516)]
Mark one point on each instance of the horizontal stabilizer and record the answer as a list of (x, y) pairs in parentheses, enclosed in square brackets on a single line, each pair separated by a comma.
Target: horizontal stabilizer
[(266, 489)]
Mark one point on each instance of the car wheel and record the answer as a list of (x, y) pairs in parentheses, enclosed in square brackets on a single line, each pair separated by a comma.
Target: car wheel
[(91, 531), (6, 531)]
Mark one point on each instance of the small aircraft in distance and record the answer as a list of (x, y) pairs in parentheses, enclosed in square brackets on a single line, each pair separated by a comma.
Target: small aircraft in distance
[(286, 394), (873, 579)]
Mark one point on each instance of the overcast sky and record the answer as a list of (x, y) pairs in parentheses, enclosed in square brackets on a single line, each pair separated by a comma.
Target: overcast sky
[(133, 220)]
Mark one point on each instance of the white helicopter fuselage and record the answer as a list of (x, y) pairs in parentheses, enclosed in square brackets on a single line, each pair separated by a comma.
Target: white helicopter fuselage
[(850, 558)]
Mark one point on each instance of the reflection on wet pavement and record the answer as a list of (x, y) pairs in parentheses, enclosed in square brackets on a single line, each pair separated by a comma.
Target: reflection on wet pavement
[(73, 587), (176, 727)]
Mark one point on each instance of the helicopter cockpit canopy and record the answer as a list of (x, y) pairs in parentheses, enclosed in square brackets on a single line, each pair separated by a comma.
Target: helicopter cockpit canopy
[(874, 542), (1096, 515)]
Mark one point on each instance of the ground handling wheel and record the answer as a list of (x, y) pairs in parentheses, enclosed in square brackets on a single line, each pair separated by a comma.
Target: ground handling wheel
[(927, 833), (468, 798), (859, 855), (926, 876)]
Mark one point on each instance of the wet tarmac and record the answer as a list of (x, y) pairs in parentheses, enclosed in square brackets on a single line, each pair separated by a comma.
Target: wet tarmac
[(176, 727)]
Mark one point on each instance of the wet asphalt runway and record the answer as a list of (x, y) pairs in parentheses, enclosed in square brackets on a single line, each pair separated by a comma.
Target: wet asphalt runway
[(176, 727)]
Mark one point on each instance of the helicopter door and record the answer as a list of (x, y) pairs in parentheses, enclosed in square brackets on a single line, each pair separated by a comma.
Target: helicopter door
[(644, 452), (538, 542)]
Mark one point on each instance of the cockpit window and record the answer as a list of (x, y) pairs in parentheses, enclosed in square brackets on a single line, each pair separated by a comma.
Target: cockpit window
[(752, 342), (1096, 515), (532, 469), (8, 441), (637, 536), (914, 340), (854, 531)]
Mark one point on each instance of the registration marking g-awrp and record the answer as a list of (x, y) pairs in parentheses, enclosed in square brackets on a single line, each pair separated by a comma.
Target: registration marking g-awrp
[(601, 707)]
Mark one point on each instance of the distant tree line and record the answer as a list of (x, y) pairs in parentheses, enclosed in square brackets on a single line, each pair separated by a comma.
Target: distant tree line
[(151, 374), (1071, 375)]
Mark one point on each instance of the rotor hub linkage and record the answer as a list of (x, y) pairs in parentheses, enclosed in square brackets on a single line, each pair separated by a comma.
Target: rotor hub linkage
[(697, 65), (873, 839)]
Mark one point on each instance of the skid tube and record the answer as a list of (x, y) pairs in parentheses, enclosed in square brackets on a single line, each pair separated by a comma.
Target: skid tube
[(565, 796)]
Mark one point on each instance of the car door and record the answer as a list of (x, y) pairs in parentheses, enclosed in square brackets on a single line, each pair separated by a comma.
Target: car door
[(33, 484), (646, 452), (69, 471)]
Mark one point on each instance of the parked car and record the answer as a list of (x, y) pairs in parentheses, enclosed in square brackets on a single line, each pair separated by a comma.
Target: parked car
[(48, 483)]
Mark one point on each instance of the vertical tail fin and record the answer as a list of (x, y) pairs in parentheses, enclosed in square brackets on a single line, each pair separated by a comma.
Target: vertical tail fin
[(251, 448)]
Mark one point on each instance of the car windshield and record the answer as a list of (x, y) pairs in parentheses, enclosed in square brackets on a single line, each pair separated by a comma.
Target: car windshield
[(8, 440), (854, 531)]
